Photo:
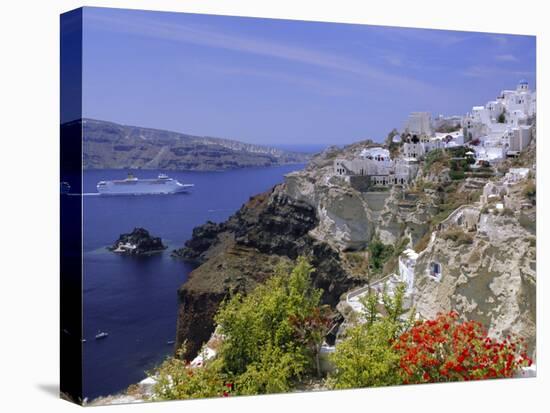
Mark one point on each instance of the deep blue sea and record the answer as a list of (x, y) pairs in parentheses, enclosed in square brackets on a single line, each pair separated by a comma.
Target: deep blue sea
[(134, 299)]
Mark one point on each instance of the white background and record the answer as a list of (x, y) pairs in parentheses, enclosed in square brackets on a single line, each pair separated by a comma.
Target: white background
[(29, 184)]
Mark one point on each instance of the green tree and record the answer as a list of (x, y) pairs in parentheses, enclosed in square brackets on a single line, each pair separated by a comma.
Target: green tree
[(263, 324), (393, 306), (370, 304), (379, 253)]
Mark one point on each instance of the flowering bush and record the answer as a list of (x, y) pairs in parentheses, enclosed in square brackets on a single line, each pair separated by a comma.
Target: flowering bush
[(445, 349)]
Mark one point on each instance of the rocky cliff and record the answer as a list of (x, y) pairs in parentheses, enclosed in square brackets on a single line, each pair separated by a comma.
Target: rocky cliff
[(313, 213), (270, 229), (488, 273), (486, 258), (108, 145)]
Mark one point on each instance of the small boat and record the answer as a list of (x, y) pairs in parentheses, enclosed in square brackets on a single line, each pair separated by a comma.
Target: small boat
[(83, 340), (101, 334), (170, 342)]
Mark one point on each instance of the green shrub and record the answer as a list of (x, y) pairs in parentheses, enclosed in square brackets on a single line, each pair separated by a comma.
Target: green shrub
[(530, 190), (379, 253), (177, 380), (456, 175), (433, 157), (365, 357), (273, 373), (265, 323)]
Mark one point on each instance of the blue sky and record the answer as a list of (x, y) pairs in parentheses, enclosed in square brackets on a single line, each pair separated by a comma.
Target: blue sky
[(289, 82)]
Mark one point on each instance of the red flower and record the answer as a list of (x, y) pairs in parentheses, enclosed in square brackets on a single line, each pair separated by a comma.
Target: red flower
[(446, 349)]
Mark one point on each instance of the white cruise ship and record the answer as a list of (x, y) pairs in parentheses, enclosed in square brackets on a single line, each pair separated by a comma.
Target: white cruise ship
[(134, 186)]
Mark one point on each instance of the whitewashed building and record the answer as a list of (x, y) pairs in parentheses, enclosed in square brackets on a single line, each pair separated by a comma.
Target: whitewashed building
[(376, 165), (516, 175), (414, 150), (407, 263), (503, 126), (419, 123)]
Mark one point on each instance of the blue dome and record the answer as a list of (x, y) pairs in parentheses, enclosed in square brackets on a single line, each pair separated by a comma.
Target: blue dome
[(523, 82)]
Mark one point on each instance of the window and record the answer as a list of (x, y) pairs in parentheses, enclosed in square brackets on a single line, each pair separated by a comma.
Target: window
[(435, 270)]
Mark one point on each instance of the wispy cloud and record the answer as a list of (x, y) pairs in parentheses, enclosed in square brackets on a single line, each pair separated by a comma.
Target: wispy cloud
[(506, 58), (489, 71), (438, 38), (211, 37), (500, 40), (309, 83)]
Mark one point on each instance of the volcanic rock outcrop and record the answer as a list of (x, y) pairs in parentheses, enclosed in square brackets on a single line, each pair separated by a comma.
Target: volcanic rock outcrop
[(137, 242)]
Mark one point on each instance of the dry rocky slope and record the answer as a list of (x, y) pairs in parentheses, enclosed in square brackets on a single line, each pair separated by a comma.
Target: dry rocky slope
[(108, 145), (488, 272), (242, 252)]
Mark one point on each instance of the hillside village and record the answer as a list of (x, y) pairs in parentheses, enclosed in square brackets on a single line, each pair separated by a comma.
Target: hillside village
[(486, 144), (500, 129)]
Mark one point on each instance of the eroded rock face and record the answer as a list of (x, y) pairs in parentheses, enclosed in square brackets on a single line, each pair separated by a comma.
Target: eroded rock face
[(406, 214), (345, 219), (272, 228), (487, 275), (137, 242), (279, 227)]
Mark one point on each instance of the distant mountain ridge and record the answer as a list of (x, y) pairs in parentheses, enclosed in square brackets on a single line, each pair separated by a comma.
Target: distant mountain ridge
[(109, 145)]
